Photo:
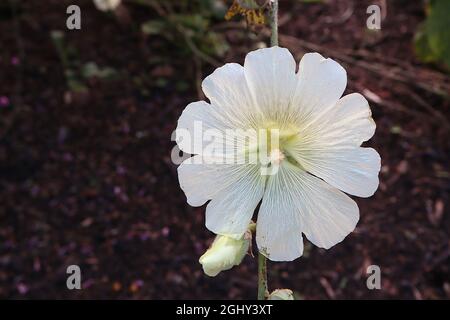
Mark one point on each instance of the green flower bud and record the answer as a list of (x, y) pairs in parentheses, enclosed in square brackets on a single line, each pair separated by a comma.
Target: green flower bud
[(224, 253), (281, 294), (107, 5)]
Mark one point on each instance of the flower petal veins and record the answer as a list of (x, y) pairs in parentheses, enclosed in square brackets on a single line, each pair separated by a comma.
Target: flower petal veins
[(319, 156)]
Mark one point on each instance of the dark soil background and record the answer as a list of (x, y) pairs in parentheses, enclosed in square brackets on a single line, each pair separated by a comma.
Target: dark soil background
[(87, 179)]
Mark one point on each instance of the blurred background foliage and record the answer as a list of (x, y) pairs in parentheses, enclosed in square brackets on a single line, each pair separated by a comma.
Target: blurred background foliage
[(193, 30), (187, 25), (432, 42)]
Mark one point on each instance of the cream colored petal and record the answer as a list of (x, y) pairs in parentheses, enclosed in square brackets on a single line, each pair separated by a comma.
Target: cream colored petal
[(201, 179), (204, 129), (227, 89), (354, 170), (328, 215), (321, 82), (231, 209), (297, 202), (270, 75), (279, 225), (346, 124), (328, 147)]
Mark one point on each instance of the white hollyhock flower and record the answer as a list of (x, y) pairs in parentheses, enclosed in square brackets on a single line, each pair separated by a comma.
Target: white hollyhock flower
[(224, 253), (107, 5), (318, 156)]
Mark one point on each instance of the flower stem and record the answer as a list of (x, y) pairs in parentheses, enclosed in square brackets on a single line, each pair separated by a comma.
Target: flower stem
[(263, 292), (274, 23)]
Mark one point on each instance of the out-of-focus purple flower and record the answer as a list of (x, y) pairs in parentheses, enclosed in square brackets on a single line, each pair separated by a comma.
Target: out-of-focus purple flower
[(165, 231), (4, 101), (22, 288), (15, 61)]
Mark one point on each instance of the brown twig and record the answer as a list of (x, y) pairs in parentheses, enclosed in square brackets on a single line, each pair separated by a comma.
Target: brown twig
[(392, 73), (421, 102), (374, 98)]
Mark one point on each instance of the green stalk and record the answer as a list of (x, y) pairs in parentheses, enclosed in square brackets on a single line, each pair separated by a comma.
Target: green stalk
[(263, 291), (274, 23)]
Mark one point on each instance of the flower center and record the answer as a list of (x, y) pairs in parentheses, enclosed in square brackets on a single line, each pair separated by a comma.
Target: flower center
[(276, 156)]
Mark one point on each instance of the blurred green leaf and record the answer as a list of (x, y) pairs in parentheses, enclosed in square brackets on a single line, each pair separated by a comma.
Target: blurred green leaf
[(422, 46), (187, 26), (191, 21), (432, 41), (76, 86), (154, 27), (438, 30), (217, 8), (91, 70), (213, 44)]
